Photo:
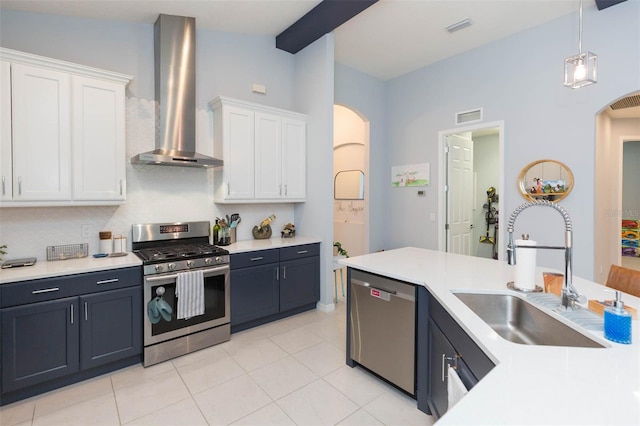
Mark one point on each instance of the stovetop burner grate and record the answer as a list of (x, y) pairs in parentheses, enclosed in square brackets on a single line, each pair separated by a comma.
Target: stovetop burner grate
[(179, 252)]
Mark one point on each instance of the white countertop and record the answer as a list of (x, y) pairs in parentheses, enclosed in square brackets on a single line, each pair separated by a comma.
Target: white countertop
[(46, 269), (531, 385), (270, 243)]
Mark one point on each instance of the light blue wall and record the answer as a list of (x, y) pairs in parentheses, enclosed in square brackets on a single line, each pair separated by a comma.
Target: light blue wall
[(366, 95), (314, 96), (226, 64), (518, 80)]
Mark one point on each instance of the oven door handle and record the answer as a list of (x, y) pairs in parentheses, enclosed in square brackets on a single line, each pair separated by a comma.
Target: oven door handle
[(174, 276)]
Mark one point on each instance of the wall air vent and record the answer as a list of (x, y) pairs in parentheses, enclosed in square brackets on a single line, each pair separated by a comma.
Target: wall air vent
[(628, 102), (471, 116)]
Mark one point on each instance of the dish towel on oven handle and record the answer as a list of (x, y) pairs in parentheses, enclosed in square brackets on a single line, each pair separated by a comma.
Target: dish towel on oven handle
[(190, 294), (455, 388)]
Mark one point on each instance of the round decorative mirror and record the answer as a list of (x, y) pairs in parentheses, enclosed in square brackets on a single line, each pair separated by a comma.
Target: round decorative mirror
[(545, 180)]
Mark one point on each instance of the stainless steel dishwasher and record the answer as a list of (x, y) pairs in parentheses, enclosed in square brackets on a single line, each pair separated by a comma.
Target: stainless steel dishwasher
[(383, 327)]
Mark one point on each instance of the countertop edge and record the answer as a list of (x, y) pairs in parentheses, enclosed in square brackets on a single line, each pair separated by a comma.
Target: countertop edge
[(49, 269)]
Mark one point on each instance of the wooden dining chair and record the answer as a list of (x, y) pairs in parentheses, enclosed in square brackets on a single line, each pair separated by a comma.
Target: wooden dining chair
[(624, 279)]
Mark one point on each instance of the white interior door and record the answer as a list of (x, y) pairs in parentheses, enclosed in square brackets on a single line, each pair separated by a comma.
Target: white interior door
[(459, 194)]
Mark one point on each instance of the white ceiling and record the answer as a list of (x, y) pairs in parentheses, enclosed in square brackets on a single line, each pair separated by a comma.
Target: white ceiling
[(388, 39)]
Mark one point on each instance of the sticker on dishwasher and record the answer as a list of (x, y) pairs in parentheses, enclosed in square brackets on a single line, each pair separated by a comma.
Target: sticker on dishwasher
[(380, 294)]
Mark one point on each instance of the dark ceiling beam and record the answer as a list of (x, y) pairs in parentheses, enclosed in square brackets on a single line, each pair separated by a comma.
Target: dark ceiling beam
[(322, 19), (603, 4)]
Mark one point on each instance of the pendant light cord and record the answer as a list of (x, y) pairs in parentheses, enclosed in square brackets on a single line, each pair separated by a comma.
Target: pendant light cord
[(580, 31)]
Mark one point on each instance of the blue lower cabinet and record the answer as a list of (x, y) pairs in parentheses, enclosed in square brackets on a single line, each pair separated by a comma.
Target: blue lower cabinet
[(110, 327), (299, 282), (61, 330), (254, 293), (267, 285), (40, 342)]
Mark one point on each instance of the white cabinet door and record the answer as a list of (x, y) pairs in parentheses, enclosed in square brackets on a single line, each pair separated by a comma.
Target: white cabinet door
[(268, 156), (238, 133), (41, 134), (98, 140), (6, 155), (294, 159)]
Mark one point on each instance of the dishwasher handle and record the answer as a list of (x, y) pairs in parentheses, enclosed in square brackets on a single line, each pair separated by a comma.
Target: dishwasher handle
[(366, 284)]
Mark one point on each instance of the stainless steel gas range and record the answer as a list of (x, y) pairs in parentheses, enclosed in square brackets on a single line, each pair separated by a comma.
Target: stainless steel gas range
[(186, 289)]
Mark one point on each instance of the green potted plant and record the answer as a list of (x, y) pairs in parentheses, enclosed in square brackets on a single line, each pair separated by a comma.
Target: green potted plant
[(2, 250), (340, 251)]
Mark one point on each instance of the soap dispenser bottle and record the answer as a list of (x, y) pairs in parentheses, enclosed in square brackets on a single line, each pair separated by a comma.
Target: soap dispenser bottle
[(617, 322)]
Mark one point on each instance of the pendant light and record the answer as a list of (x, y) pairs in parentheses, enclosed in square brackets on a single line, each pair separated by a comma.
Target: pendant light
[(580, 70)]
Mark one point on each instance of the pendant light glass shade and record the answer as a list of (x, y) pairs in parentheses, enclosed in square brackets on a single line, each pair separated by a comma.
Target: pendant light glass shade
[(582, 69)]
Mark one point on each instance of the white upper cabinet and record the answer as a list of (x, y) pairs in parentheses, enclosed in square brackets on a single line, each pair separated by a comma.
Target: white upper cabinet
[(63, 142), (294, 158), (41, 128), (263, 150), (6, 172), (98, 140)]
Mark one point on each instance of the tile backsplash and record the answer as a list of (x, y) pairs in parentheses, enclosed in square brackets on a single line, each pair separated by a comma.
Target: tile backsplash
[(154, 194)]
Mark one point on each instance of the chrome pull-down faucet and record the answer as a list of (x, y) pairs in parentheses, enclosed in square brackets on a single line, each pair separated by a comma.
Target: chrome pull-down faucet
[(569, 293)]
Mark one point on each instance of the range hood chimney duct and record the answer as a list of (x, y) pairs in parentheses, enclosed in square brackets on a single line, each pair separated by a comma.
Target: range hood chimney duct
[(175, 91)]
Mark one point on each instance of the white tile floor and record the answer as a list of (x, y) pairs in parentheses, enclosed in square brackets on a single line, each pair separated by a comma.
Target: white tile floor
[(288, 372)]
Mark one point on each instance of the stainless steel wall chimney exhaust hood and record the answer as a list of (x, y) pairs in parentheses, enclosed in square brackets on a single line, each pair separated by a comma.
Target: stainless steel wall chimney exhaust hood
[(175, 91)]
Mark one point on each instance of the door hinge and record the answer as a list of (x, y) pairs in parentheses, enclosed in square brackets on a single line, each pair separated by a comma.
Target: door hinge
[(446, 148), (446, 226), (446, 188)]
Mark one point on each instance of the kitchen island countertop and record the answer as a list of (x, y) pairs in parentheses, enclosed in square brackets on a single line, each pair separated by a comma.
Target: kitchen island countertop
[(47, 269), (534, 385)]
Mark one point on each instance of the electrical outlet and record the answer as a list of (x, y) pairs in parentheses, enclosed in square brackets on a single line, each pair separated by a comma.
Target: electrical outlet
[(86, 231)]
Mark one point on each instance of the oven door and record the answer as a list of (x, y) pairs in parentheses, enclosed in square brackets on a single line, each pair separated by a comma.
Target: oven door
[(216, 309)]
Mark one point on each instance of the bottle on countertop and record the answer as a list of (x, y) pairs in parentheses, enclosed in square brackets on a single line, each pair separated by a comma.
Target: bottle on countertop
[(216, 230), (617, 322), (267, 221)]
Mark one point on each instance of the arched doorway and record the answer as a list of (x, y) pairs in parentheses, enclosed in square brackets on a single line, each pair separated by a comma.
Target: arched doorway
[(616, 125), (351, 156)]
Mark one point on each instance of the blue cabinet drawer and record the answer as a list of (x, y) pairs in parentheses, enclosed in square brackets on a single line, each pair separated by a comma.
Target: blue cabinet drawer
[(40, 290), (298, 252), (254, 258)]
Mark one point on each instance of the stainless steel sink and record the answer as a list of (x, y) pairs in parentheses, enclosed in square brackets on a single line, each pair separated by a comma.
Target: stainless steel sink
[(519, 321)]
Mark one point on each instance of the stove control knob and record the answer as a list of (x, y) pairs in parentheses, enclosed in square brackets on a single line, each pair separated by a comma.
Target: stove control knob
[(218, 259), (158, 268), (207, 261), (171, 266), (190, 263)]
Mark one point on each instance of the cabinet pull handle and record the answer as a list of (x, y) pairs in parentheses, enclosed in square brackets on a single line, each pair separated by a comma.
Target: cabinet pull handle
[(284, 272), (19, 185), (120, 186), (277, 274), (254, 259), (86, 311), (112, 280), (449, 358), (3, 186), (46, 290), (303, 251), (285, 189), (71, 313), (280, 190), (228, 189)]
